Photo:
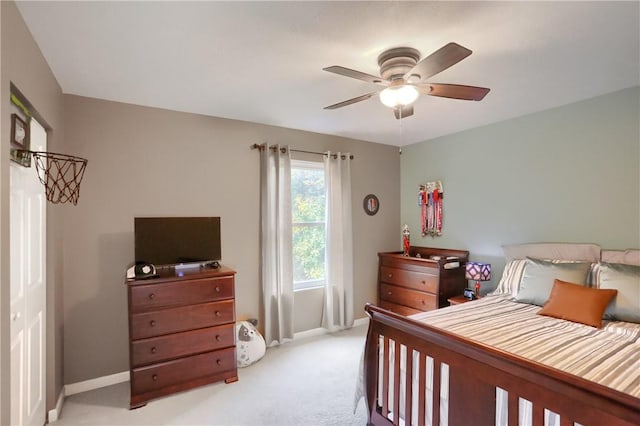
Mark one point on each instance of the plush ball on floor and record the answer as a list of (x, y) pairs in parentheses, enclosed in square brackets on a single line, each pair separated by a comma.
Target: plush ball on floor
[(250, 345)]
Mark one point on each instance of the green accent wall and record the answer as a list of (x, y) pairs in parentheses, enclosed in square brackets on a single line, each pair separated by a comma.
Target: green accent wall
[(568, 174)]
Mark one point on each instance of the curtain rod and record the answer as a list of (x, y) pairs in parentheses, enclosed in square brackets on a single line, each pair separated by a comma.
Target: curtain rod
[(283, 150)]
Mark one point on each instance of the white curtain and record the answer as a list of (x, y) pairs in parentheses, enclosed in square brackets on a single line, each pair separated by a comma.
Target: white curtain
[(275, 243), (338, 295)]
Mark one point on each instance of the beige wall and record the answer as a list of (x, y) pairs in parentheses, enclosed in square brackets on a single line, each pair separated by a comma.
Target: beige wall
[(568, 174), (152, 162), (23, 65)]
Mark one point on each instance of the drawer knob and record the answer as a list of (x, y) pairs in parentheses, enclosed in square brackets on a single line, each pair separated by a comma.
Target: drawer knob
[(151, 296), (218, 338), (219, 362), (218, 313), (217, 289), (389, 293), (423, 302), (390, 275), (154, 350), (152, 323), (423, 282), (154, 377)]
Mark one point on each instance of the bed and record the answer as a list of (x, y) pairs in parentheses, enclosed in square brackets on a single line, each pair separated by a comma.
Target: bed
[(496, 361)]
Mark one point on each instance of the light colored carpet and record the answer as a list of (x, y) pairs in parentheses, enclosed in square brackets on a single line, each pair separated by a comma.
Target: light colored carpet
[(306, 382)]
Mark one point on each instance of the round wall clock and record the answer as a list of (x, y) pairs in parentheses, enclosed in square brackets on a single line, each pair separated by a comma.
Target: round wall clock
[(371, 204)]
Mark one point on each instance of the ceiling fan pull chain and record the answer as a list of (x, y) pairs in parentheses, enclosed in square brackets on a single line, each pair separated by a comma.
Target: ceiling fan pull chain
[(401, 128)]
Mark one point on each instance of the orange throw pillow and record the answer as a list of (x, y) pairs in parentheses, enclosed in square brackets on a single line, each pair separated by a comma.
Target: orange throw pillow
[(574, 302)]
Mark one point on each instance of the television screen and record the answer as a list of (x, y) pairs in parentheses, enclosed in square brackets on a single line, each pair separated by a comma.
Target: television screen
[(175, 240)]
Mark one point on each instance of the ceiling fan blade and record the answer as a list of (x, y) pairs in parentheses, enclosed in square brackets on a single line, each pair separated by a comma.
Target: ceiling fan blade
[(351, 101), (403, 112), (454, 91), (347, 72), (439, 61)]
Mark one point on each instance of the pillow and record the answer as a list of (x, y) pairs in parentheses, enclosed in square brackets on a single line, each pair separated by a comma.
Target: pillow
[(250, 345), (574, 302), (511, 276), (628, 257), (625, 279), (537, 279), (561, 251)]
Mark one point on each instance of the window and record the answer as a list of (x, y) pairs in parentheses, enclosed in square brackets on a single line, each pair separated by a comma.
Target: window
[(308, 224)]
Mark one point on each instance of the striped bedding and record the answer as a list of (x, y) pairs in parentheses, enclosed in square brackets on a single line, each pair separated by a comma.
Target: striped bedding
[(609, 356)]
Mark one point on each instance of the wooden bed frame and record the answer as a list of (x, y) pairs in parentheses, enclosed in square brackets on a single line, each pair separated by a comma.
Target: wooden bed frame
[(474, 372)]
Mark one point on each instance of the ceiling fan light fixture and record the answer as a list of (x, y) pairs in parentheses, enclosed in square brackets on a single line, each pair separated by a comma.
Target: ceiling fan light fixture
[(402, 95)]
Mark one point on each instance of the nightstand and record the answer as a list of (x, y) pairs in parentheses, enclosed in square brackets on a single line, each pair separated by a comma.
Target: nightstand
[(456, 300)]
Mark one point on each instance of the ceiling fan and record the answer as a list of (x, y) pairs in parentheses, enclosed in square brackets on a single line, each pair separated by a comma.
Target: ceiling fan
[(403, 78)]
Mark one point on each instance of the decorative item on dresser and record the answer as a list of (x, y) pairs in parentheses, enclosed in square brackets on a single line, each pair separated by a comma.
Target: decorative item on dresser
[(423, 281), (181, 331)]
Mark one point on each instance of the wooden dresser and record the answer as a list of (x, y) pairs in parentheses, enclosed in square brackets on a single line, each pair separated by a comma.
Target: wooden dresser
[(409, 285), (181, 332)]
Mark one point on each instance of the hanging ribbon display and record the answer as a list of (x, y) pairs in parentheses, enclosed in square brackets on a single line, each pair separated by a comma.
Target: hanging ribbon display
[(430, 196)]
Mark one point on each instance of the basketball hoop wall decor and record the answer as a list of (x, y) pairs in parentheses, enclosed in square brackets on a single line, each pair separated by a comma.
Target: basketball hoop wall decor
[(61, 175)]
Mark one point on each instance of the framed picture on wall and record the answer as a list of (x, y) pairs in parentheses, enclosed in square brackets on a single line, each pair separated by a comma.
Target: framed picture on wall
[(371, 204), (19, 132)]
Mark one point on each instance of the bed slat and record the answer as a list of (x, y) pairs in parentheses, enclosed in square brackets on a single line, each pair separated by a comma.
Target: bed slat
[(538, 415), (408, 380), (385, 377), (469, 398), (513, 410), (422, 387), (397, 350), (437, 367), (565, 421)]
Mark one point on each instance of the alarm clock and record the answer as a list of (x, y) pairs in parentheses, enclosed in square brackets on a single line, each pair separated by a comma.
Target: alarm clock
[(469, 293)]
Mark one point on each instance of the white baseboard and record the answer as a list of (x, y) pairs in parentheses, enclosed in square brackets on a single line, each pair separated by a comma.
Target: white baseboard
[(321, 331), (361, 321), (98, 382), (54, 414)]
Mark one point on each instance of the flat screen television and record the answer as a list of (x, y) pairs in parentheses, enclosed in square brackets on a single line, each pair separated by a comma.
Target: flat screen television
[(177, 240)]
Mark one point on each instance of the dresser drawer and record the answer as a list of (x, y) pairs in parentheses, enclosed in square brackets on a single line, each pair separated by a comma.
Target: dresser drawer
[(182, 370), (398, 309), (410, 279), (156, 349), (154, 296), (166, 321), (412, 298)]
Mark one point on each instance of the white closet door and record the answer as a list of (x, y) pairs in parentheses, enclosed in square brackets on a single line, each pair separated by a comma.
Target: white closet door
[(28, 289)]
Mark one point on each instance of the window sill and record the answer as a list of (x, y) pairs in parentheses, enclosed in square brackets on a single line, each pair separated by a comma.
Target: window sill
[(316, 287)]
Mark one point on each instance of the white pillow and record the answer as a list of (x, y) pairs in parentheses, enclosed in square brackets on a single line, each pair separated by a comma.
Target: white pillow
[(511, 276), (626, 279)]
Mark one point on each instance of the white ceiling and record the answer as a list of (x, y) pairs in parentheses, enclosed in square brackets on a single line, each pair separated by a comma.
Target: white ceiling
[(262, 61)]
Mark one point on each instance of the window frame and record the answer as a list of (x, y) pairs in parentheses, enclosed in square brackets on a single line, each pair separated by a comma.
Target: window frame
[(310, 284)]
